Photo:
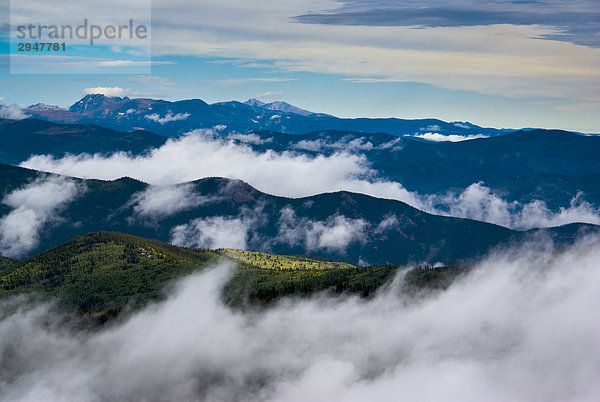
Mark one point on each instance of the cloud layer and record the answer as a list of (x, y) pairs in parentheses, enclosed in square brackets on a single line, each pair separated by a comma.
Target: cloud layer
[(292, 174), (480, 203), (437, 137), (520, 327)]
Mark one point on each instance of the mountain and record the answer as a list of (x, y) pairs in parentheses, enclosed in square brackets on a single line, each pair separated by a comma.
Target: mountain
[(93, 102), (549, 165), (22, 138), (105, 273), (215, 211), (278, 105), (175, 118)]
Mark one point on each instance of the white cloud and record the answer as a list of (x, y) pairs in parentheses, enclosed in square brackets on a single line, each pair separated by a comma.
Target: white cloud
[(169, 117), (334, 234), (270, 95), (462, 125), (251, 138), (451, 137), (12, 112), (389, 222), (480, 203), (204, 153), (520, 327), (213, 232), (221, 231), (158, 202), (33, 206), (346, 144), (108, 91), (433, 127)]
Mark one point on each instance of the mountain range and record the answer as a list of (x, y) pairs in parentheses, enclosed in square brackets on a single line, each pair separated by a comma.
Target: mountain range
[(341, 225), (175, 118), (550, 165)]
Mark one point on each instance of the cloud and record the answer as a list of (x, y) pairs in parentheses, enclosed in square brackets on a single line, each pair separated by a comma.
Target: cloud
[(270, 95), (577, 24), (32, 207), (108, 91), (334, 234), (480, 203), (204, 153), (158, 202), (499, 59), (520, 327), (169, 117), (213, 232), (462, 125), (432, 127), (12, 112), (436, 137), (220, 231), (346, 144), (251, 138)]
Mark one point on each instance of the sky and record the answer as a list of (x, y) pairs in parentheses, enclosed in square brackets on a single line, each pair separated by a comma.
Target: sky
[(501, 64)]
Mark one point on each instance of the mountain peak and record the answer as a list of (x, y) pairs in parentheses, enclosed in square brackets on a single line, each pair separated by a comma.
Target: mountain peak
[(278, 106), (94, 101), (43, 107), (254, 102)]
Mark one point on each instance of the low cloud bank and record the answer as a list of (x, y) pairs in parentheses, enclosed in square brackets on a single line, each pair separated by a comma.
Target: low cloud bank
[(32, 207), (203, 153), (480, 203), (520, 327), (437, 137), (12, 112)]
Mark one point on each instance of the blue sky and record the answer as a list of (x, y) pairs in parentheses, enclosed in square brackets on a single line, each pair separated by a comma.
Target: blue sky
[(500, 64)]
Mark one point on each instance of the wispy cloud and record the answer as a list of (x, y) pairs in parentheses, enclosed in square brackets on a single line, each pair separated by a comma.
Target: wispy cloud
[(169, 117), (12, 112), (32, 207), (157, 202), (577, 22)]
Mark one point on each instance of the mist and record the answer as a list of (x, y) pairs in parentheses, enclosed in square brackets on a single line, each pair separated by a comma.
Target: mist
[(522, 326)]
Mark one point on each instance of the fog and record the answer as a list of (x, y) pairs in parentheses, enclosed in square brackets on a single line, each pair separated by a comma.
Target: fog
[(522, 326)]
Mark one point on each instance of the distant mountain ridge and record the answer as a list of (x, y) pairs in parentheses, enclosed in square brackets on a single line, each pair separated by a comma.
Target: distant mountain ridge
[(548, 165), (22, 138), (175, 118)]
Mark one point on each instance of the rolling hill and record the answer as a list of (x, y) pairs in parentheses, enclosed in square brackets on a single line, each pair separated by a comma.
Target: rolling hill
[(105, 273)]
